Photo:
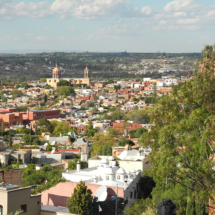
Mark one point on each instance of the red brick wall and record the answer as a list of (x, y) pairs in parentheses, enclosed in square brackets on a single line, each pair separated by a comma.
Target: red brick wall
[(13, 177)]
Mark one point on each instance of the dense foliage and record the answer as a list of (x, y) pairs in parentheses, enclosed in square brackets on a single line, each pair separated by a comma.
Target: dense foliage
[(102, 144), (182, 140), (81, 201), (73, 164), (47, 177), (66, 91)]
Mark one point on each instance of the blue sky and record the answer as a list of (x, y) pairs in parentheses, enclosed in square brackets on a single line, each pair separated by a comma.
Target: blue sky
[(107, 25)]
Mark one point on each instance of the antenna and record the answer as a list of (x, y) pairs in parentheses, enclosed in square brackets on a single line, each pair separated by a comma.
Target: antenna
[(101, 193)]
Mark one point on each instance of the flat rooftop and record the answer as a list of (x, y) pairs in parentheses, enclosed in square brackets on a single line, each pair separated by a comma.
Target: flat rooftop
[(8, 187)]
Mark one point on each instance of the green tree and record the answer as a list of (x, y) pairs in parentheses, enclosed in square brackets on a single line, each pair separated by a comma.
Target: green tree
[(23, 130), (47, 172), (123, 142), (90, 104), (117, 114), (45, 98), (90, 131), (48, 148), (95, 98), (177, 87), (73, 164), (43, 80), (184, 123), (16, 93), (190, 210), (98, 143), (81, 201), (4, 99), (24, 85), (62, 83), (21, 108), (44, 125), (66, 91), (117, 87)]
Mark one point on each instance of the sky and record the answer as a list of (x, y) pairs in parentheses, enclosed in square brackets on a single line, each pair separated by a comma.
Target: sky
[(107, 25)]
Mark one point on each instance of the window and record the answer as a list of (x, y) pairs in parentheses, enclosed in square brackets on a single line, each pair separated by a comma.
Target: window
[(54, 80), (131, 195), (118, 176), (1, 210), (107, 177), (49, 80), (23, 208)]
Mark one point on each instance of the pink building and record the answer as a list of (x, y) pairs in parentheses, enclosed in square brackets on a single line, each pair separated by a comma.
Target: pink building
[(58, 195)]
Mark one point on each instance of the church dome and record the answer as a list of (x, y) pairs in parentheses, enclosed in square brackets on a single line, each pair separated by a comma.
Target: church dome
[(56, 69), (121, 171)]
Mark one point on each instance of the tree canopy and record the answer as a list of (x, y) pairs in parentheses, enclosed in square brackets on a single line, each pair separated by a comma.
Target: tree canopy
[(183, 136), (101, 144), (66, 91), (62, 83), (81, 201)]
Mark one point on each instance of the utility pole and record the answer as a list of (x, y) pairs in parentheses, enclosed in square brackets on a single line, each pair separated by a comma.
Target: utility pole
[(116, 198)]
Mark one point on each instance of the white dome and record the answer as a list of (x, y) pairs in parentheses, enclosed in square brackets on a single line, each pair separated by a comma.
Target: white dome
[(120, 171), (133, 171), (109, 171), (104, 161), (128, 172)]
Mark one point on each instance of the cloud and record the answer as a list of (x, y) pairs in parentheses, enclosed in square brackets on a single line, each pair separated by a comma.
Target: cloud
[(41, 38), (70, 29), (92, 9), (178, 5), (146, 10), (192, 27), (163, 22), (211, 14), (29, 35), (187, 21), (179, 14), (46, 29)]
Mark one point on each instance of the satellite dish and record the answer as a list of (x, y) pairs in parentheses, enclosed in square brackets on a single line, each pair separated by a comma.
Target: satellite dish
[(53, 143), (46, 144), (53, 151), (101, 193), (123, 155)]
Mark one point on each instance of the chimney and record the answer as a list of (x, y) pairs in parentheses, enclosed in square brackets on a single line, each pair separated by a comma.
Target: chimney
[(78, 166)]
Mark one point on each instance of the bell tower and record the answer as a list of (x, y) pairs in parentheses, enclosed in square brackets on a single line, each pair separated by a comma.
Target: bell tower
[(86, 73)]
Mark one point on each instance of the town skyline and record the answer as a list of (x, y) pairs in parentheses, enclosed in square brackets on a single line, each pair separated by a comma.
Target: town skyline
[(106, 26)]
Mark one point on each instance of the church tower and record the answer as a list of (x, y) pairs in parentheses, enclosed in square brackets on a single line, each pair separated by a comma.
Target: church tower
[(86, 73), (56, 73)]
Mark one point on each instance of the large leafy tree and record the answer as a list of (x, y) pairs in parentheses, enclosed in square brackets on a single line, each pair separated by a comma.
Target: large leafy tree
[(62, 83), (102, 144), (44, 125), (184, 124), (66, 91), (81, 201), (90, 131)]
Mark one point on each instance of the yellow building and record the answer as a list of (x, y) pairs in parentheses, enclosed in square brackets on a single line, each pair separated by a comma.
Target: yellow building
[(56, 77)]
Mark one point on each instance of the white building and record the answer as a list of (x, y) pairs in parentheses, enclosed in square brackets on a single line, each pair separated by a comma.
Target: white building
[(108, 175)]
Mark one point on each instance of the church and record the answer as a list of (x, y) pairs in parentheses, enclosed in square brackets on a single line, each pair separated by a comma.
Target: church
[(56, 77)]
